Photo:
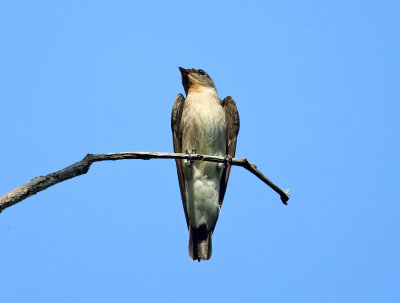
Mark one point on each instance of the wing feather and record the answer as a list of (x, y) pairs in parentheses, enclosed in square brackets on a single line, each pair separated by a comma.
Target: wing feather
[(176, 117), (232, 130)]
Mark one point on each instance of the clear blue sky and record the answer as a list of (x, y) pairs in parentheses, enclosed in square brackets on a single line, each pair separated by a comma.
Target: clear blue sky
[(317, 88)]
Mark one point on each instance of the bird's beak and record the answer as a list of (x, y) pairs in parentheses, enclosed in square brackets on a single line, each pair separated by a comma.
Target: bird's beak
[(184, 71)]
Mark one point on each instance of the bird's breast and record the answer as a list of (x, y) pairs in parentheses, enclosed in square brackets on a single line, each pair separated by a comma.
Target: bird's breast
[(203, 124)]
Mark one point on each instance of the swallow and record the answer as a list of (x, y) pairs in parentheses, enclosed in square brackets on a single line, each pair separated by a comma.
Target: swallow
[(203, 123)]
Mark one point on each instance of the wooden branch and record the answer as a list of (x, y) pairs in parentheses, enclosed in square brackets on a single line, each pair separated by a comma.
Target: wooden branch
[(79, 168)]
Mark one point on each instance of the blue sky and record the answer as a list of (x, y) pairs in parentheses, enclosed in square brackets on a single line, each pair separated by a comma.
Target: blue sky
[(316, 84)]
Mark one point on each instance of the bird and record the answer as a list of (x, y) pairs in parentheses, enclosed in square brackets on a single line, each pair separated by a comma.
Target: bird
[(203, 123)]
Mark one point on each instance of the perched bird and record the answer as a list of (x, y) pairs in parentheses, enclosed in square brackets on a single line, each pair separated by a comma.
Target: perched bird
[(203, 124)]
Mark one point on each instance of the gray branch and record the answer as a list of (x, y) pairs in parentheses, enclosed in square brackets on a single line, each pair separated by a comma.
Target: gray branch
[(79, 168)]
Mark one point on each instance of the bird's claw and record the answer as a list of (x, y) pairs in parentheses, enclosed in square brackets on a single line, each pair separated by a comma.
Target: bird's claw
[(228, 160), (190, 155)]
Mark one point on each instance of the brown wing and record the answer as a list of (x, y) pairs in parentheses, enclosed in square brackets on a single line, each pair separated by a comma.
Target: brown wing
[(176, 116), (232, 130)]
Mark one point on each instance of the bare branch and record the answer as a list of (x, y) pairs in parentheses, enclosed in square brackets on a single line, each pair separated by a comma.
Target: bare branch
[(79, 168)]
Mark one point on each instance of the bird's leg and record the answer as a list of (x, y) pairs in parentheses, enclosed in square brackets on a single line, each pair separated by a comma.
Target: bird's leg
[(228, 160), (190, 155)]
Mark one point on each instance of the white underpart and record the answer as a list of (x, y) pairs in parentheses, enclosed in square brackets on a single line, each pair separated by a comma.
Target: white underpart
[(203, 115)]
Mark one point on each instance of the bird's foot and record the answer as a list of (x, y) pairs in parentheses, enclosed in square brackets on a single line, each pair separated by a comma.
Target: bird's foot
[(228, 160), (190, 155)]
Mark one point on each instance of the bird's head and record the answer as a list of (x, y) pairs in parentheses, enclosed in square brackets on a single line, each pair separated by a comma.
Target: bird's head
[(195, 80)]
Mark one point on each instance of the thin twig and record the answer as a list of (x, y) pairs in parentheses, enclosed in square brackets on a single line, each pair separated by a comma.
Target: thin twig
[(79, 168)]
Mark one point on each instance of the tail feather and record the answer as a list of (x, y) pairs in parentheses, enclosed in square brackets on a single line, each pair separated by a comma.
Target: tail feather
[(199, 249)]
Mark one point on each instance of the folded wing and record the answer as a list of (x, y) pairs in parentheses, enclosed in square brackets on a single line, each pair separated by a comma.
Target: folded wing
[(176, 117), (232, 130)]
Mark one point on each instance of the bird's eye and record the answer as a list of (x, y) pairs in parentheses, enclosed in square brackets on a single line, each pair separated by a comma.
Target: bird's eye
[(201, 72)]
